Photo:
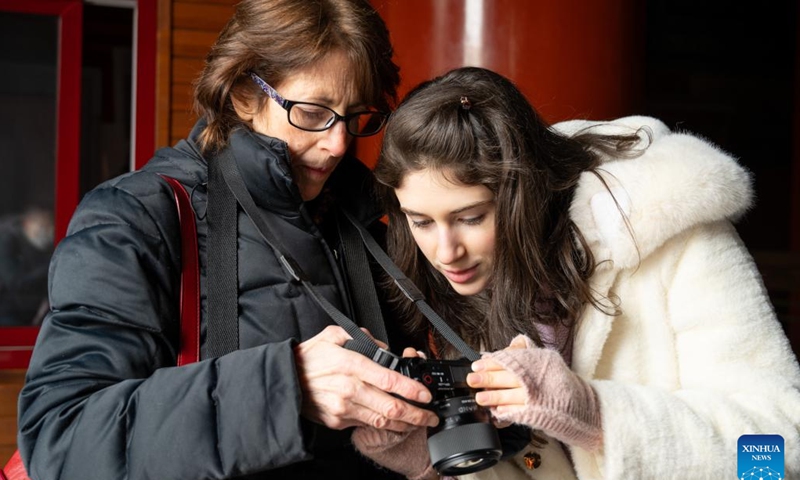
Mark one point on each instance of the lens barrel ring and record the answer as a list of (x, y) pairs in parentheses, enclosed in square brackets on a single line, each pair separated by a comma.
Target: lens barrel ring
[(475, 445)]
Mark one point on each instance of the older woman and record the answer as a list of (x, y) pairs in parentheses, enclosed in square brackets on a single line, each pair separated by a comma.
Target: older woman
[(285, 89)]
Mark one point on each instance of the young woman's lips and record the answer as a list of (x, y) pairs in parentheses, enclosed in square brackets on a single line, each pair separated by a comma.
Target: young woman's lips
[(461, 276)]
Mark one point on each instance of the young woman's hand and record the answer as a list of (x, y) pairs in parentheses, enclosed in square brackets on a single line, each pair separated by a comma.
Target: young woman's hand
[(534, 386), (342, 388), (500, 388)]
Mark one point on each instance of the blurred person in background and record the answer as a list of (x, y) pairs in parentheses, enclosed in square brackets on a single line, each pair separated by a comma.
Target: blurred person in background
[(26, 244)]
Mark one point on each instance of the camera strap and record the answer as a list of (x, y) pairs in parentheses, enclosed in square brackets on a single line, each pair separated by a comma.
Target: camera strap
[(364, 296), (222, 329), (361, 342)]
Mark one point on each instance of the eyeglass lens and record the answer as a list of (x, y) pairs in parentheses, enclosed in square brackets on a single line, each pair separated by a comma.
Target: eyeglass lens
[(317, 118)]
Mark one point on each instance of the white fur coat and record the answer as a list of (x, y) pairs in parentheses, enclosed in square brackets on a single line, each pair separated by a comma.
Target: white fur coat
[(696, 358)]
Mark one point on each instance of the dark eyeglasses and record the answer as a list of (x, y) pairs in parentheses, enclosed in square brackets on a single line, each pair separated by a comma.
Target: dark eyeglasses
[(317, 118)]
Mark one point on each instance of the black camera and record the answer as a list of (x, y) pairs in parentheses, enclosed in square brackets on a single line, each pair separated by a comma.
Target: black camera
[(464, 441)]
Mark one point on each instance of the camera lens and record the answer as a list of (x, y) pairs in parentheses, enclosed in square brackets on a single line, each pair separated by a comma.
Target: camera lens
[(466, 463), (465, 441), (464, 449)]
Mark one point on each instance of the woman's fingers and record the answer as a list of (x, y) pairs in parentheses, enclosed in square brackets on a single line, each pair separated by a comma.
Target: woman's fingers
[(492, 379), (486, 364), (342, 388), (498, 386), (512, 397), (340, 403)]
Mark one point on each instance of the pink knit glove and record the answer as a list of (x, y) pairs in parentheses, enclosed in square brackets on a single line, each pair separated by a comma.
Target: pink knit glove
[(405, 453), (559, 402)]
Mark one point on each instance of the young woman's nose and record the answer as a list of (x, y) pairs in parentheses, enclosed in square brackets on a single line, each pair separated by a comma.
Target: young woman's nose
[(449, 247), (336, 139)]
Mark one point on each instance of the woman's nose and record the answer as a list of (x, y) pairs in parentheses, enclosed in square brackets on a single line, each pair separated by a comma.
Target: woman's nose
[(449, 248), (336, 139)]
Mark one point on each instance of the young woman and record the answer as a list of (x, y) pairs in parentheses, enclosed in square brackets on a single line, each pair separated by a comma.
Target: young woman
[(285, 89), (599, 262)]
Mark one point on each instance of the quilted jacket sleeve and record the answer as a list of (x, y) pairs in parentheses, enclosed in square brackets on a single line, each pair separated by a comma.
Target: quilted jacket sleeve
[(103, 399)]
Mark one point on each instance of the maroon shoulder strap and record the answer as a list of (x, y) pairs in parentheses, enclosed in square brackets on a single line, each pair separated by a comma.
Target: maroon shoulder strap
[(14, 469), (190, 277)]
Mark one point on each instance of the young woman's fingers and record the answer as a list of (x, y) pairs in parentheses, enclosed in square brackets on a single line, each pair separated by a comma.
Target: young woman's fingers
[(512, 397), (486, 364), (520, 341), (493, 379)]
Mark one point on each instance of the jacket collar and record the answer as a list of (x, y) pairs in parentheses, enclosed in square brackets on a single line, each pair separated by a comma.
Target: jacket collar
[(266, 169), (679, 182)]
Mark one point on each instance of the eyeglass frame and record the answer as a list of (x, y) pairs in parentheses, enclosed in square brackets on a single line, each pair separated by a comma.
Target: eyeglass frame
[(288, 104)]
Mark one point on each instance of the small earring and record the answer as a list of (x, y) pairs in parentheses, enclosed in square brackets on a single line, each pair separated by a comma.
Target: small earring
[(465, 103)]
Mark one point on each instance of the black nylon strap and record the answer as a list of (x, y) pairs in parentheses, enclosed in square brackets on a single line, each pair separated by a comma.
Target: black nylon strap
[(222, 335), (366, 306), (361, 342)]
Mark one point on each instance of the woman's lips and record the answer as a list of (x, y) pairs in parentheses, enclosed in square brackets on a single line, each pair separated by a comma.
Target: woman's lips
[(317, 172), (461, 276)]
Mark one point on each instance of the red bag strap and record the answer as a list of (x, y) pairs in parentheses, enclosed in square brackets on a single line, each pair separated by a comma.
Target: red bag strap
[(190, 276), (14, 469)]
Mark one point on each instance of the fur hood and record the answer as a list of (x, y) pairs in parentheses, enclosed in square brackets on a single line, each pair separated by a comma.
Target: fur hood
[(680, 181)]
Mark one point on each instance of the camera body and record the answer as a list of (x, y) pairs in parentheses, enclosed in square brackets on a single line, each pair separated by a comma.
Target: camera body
[(465, 441)]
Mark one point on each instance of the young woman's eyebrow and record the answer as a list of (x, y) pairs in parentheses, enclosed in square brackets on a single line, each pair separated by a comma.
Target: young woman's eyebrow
[(458, 210)]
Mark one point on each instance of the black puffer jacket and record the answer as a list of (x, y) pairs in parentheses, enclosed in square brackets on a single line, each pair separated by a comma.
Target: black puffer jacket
[(103, 400)]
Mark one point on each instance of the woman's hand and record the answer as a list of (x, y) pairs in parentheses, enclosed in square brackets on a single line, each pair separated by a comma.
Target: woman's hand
[(342, 388), (535, 387), (405, 453), (501, 388)]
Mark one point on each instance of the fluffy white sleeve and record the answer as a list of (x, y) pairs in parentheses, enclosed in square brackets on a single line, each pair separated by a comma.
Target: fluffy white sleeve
[(736, 374)]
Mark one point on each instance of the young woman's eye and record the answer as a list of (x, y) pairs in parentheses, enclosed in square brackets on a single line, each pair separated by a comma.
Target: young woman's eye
[(473, 220), (420, 223)]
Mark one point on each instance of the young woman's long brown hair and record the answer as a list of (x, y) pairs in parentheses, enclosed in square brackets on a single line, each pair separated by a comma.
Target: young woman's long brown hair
[(494, 137), (275, 38)]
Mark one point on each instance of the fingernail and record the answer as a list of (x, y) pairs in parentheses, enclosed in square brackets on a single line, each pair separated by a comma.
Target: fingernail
[(433, 421), (473, 379), (477, 366), (424, 396), (481, 397)]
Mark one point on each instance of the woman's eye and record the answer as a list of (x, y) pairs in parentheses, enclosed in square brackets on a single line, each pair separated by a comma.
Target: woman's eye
[(473, 220), (311, 114), (420, 223)]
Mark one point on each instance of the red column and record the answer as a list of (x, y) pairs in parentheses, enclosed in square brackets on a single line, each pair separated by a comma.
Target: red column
[(571, 58)]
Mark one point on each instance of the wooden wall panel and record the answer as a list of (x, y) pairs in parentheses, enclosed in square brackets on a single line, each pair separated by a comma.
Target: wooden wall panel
[(195, 16), (191, 43), (10, 384), (185, 70), (187, 29), (163, 72)]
